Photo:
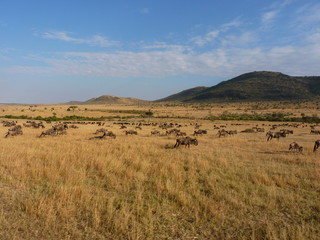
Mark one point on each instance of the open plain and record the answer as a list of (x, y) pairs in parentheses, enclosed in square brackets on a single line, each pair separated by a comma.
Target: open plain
[(237, 186)]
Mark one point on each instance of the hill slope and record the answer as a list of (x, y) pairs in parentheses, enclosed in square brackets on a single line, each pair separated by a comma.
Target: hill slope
[(109, 99), (183, 95), (255, 86)]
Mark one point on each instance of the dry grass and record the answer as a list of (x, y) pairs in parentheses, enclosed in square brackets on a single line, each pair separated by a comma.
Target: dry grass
[(135, 187)]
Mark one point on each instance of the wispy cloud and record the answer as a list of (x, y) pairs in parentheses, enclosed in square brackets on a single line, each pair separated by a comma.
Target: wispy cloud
[(308, 14), (268, 17), (96, 40), (213, 35), (207, 38), (144, 10)]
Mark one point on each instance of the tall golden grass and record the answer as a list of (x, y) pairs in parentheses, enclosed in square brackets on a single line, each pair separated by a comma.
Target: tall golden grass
[(136, 187)]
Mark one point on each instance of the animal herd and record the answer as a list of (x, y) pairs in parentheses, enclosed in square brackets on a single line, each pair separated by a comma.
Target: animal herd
[(170, 129)]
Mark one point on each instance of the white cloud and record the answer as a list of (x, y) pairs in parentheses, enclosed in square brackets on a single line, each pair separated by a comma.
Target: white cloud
[(213, 35), (95, 40), (144, 10), (308, 14), (269, 17), (202, 40)]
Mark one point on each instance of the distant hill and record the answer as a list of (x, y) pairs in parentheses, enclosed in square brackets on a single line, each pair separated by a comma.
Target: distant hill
[(109, 99), (184, 95), (253, 86)]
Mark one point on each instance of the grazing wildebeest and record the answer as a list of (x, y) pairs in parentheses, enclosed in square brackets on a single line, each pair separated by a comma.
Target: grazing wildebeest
[(172, 131), (60, 127), (222, 133), (232, 132), (181, 134), (8, 123), (50, 132), (315, 131), (186, 141), (199, 132), (131, 132), (295, 146), (101, 130), (105, 134), (155, 132), (14, 131), (277, 135), (316, 145)]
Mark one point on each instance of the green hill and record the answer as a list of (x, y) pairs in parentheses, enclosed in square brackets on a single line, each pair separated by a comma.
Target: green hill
[(183, 95), (109, 99), (254, 86)]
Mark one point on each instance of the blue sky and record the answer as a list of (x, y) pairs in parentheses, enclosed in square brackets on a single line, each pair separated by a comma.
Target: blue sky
[(63, 50)]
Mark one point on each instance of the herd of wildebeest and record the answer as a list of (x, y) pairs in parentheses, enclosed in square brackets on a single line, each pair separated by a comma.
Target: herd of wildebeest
[(60, 128)]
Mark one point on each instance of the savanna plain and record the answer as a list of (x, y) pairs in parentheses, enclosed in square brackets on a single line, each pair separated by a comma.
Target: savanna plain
[(240, 186)]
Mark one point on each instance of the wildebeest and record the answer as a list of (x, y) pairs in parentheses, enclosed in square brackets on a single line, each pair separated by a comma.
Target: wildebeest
[(316, 145), (155, 132), (50, 132), (8, 123), (14, 131), (199, 132), (60, 127), (186, 141), (181, 134), (277, 135), (104, 135), (314, 131), (172, 131), (100, 130), (295, 146), (131, 132)]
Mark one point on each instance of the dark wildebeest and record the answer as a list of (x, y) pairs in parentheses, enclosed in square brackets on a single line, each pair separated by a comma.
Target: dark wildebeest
[(50, 132), (199, 132), (295, 146), (186, 141), (181, 134), (60, 127), (14, 131), (101, 130), (155, 132), (222, 133), (105, 134), (131, 132), (315, 131), (316, 145), (277, 135)]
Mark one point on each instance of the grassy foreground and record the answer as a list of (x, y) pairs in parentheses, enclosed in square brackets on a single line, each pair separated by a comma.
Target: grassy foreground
[(136, 187)]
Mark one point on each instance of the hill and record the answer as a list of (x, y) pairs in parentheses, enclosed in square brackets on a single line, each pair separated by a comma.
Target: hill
[(254, 86), (183, 95), (109, 99)]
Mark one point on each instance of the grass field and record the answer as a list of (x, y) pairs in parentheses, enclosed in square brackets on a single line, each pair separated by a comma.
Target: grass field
[(139, 187)]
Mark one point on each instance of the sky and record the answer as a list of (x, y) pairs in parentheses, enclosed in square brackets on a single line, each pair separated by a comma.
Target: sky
[(64, 50)]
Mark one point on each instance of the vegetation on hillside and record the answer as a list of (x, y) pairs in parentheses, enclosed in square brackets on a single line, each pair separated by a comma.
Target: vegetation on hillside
[(254, 86)]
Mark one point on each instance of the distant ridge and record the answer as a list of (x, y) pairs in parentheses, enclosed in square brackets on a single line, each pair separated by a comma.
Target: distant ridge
[(253, 86), (183, 95), (109, 99)]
